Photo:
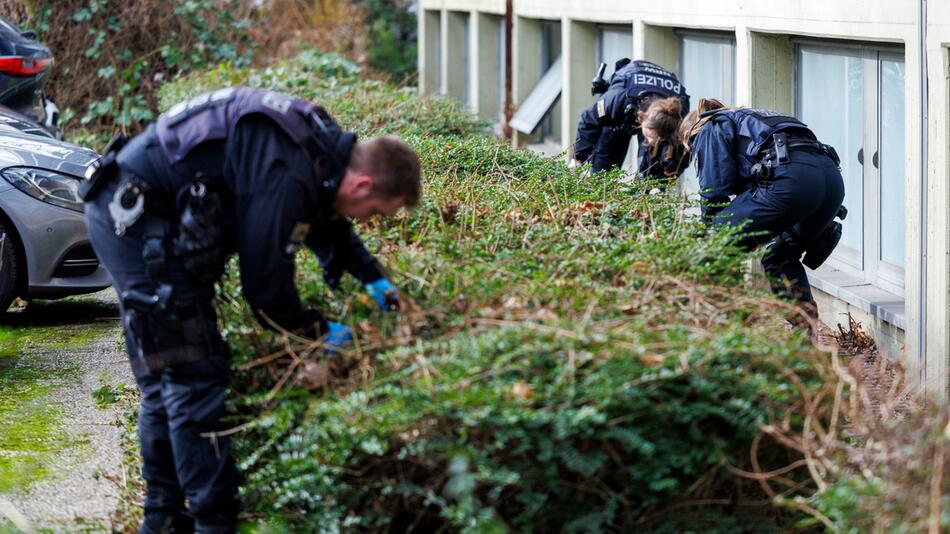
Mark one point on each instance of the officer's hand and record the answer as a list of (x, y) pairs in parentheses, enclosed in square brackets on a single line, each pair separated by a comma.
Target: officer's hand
[(338, 337), (384, 293)]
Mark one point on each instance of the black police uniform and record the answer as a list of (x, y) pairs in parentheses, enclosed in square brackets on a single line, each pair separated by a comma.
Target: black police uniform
[(784, 185), (666, 161), (239, 170), (605, 128)]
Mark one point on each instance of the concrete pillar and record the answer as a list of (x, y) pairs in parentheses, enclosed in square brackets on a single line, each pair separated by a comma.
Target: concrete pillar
[(487, 72), (579, 53), (429, 51), (771, 66), (658, 44), (743, 66), (937, 346), (456, 46), (526, 63)]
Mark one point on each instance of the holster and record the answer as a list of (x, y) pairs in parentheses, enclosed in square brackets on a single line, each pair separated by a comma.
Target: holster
[(171, 335), (823, 246), (199, 243)]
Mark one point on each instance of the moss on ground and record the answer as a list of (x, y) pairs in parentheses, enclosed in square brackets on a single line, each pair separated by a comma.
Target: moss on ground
[(33, 427)]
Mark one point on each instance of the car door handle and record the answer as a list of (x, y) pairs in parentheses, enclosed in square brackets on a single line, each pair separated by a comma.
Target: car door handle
[(874, 160), (861, 156)]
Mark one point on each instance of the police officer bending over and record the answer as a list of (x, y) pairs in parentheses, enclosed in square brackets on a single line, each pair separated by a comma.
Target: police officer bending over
[(786, 187), (238, 170), (663, 156), (604, 130)]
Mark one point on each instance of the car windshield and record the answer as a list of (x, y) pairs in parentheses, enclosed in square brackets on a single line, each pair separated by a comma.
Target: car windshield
[(7, 25)]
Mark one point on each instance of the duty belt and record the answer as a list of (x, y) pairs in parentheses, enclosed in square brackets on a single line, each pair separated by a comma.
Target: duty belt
[(778, 153)]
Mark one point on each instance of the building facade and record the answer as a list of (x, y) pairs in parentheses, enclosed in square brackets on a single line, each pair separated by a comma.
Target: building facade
[(870, 78)]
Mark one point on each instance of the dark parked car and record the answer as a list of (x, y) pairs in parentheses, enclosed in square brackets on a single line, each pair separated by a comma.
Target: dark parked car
[(25, 65), (44, 247)]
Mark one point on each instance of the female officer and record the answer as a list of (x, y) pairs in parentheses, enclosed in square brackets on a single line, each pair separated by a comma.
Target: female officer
[(663, 157), (786, 188)]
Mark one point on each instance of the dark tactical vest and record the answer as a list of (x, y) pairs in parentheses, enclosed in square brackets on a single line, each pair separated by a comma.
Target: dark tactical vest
[(642, 77), (758, 125), (213, 116)]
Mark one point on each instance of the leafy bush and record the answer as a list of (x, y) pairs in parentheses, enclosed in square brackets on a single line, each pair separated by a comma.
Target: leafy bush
[(392, 32), (575, 353), (363, 105), (883, 467), (111, 56)]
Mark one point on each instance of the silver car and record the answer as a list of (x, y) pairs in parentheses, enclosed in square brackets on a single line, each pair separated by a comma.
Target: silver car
[(44, 247)]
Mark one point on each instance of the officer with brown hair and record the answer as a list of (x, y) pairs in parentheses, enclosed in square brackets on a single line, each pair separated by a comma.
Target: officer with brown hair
[(664, 157), (767, 173), (237, 170)]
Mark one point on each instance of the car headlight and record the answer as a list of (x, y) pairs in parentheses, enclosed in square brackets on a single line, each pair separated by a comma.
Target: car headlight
[(49, 186)]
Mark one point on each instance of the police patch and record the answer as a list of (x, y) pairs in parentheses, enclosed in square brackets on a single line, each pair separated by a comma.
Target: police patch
[(276, 101), (297, 236), (601, 108)]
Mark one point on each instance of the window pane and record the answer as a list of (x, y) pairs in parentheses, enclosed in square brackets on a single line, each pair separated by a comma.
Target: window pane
[(707, 68), (536, 107), (892, 162), (831, 97), (551, 54), (615, 43)]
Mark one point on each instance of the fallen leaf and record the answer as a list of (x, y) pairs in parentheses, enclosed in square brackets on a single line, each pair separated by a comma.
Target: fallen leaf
[(545, 314), (314, 375), (522, 390)]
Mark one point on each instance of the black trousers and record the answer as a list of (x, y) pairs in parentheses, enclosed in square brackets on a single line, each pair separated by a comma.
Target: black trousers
[(798, 203), (179, 402)]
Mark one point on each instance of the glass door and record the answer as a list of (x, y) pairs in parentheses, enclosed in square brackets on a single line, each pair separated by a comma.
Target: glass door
[(853, 99)]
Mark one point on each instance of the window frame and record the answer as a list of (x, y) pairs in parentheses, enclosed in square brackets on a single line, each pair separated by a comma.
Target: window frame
[(887, 272), (552, 50), (865, 265)]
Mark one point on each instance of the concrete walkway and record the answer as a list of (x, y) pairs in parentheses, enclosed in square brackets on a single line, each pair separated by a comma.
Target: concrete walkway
[(80, 489)]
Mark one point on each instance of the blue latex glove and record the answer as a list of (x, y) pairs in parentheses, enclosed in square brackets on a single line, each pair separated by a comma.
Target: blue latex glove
[(338, 337), (384, 293)]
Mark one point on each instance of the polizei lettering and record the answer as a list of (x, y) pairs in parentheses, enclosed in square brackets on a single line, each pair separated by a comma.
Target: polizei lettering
[(656, 81)]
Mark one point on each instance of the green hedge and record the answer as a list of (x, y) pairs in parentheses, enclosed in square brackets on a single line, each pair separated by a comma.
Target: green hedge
[(581, 357)]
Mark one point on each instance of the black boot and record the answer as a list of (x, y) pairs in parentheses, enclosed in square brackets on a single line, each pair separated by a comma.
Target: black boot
[(167, 522)]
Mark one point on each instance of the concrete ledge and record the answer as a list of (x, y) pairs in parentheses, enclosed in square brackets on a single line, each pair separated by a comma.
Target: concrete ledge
[(873, 300), (546, 148)]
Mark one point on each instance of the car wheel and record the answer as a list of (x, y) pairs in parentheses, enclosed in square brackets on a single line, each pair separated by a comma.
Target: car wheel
[(10, 265)]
